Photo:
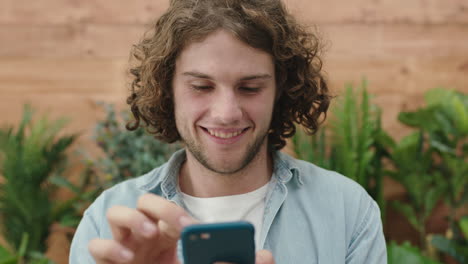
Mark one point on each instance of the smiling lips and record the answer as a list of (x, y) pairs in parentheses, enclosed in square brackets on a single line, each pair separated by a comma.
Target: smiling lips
[(226, 133)]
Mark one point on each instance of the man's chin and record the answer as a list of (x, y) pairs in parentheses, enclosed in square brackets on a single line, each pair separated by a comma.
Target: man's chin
[(225, 167)]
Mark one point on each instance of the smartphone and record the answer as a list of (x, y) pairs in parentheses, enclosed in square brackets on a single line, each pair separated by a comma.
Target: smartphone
[(228, 242)]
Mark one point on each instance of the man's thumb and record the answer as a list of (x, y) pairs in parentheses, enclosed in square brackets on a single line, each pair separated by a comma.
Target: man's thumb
[(264, 257)]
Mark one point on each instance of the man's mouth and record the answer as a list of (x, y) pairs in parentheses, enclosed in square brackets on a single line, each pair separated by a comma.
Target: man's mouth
[(225, 133)]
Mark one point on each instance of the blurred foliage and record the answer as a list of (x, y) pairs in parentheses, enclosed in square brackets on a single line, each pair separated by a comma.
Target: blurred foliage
[(32, 159), (407, 254), (353, 143), (22, 256), (432, 163), (413, 168), (127, 154), (444, 124)]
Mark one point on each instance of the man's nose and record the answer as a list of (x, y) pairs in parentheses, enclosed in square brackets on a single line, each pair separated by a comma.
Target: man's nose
[(227, 108)]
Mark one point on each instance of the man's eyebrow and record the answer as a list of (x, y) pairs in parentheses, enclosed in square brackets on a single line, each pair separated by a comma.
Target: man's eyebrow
[(246, 78), (198, 75), (254, 77)]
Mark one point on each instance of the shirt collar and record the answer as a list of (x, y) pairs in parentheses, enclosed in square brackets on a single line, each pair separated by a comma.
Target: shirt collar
[(165, 177), (285, 168)]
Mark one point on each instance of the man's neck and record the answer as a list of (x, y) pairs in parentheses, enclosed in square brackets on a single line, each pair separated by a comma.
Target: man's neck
[(196, 180)]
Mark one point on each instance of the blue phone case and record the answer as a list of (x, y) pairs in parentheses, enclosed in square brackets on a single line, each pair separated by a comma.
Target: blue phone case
[(229, 242)]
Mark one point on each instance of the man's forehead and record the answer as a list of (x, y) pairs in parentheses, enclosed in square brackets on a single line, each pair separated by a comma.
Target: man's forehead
[(197, 74), (220, 42)]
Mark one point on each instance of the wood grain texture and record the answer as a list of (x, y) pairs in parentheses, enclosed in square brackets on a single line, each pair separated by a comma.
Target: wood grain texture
[(88, 40), (64, 12), (59, 12), (394, 41), (347, 40), (25, 75), (381, 11)]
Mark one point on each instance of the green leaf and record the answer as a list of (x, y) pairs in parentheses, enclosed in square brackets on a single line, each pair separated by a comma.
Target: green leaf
[(4, 252), (27, 116), (65, 183), (450, 247), (406, 254), (24, 245), (460, 115), (442, 147), (6, 257), (432, 196), (9, 260), (464, 226), (70, 221), (385, 140), (417, 119), (39, 258), (408, 212), (438, 96)]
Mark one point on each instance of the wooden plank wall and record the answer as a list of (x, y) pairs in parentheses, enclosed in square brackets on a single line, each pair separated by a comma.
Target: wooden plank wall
[(64, 55)]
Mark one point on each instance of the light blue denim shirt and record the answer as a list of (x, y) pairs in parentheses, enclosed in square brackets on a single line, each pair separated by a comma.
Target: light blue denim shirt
[(311, 215)]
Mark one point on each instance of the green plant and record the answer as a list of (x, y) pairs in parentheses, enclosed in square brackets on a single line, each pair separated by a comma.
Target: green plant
[(19, 257), (407, 254), (127, 154), (32, 158), (432, 163), (353, 143), (445, 123), (413, 168)]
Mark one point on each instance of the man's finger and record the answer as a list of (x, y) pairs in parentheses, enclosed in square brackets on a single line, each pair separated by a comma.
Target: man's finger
[(264, 257), (172, 218), (124, 221), (109, 251)]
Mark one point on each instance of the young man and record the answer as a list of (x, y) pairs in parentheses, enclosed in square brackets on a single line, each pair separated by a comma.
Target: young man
[(228, 78)]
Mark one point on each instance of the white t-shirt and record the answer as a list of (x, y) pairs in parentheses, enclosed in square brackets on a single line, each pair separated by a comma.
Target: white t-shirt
[(248, 207)]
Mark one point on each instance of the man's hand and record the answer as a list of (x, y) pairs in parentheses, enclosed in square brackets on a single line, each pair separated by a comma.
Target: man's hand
[(147, 234), (264, 257)]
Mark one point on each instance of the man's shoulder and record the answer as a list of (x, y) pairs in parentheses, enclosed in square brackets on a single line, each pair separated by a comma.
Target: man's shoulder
[(332, 194), (336, 208), (317, 174), (311, 176), (126, 193), (329, 189)]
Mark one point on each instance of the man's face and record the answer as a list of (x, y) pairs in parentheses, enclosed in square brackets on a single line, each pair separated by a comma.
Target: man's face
[(224, 92)]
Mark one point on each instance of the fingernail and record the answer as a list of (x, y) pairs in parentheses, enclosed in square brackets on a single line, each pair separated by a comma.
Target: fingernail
[(126, 254), (148, 228), (185, 221)]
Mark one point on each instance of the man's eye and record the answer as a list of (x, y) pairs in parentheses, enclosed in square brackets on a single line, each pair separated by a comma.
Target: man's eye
[(201, 87), (249, 89)]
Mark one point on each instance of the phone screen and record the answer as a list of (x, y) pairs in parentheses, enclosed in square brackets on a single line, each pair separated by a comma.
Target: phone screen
[(219, 242)]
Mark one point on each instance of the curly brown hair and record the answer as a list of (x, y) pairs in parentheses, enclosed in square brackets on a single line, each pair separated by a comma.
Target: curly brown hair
[(303, 95)]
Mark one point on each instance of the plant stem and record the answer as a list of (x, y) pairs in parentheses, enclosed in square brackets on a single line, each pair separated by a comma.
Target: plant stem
[(422, 233)]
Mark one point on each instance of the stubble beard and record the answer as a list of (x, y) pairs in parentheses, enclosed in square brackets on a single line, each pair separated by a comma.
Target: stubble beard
[(202, 157)]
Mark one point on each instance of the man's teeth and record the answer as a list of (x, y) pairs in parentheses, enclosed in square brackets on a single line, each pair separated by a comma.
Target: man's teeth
[(224, 135)]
